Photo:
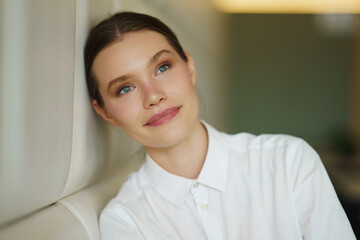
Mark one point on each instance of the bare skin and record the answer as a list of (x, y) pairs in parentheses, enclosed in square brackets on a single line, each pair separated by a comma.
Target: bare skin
[(187, 157), (142, 78)]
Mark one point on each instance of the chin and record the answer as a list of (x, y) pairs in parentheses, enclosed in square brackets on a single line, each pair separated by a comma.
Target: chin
[(171, 136), (168, 138)]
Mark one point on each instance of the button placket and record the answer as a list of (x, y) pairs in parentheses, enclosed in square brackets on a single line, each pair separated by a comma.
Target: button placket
[(201, 198), (204, 207), (210, 224)]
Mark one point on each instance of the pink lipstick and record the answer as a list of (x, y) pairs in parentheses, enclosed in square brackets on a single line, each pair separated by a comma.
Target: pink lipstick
[(163, 117)]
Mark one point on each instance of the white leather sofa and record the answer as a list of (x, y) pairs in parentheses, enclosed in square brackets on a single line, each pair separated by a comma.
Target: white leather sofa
[(60, 164)]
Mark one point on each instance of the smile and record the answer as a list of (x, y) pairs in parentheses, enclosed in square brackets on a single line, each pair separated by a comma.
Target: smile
[(163, 117)]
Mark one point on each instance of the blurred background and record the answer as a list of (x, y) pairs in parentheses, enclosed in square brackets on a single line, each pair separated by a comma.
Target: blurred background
[(298, 74), (296, 70), (262, 66)]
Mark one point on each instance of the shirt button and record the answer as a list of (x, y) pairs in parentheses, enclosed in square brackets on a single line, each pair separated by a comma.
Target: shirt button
[(204, 207), (196, 185)]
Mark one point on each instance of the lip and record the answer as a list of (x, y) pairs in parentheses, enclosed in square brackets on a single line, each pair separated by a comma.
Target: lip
[(163, 117)]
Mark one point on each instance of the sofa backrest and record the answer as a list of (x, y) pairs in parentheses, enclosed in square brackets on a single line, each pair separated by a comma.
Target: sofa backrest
[(52, 143), (59, 162)]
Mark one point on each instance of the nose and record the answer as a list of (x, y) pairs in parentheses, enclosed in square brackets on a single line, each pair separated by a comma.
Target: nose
[(154, 94)]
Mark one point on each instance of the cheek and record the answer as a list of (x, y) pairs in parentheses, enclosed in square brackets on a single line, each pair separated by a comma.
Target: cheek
[(185, 89), (124, 112), (181, 83)]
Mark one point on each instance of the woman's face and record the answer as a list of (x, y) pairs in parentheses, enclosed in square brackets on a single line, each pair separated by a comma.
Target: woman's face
[(147, 88)]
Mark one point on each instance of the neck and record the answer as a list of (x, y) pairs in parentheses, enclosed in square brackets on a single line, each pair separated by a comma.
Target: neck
[(186, 158)]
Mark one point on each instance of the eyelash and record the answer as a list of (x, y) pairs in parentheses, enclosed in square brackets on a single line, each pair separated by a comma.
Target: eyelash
[(161, 66), (119, 91)]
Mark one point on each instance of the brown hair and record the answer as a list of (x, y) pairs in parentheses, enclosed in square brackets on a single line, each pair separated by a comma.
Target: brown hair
[(113, 29)]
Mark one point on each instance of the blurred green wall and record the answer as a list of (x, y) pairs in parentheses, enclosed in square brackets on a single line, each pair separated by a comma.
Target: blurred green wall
[(287, 76)]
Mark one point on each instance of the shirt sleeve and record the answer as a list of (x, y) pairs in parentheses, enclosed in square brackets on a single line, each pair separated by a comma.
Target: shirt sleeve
[(320, 213), (118, 225)]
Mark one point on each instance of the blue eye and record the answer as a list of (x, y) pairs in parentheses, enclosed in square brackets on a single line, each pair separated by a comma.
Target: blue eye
[(125, 90), (162, 68)]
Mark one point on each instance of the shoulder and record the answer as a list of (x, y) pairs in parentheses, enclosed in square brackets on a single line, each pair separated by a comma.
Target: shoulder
[(278, 149), (275, 152), (130, 191), (125, 212), (289, 146), (248, 141), (128, 196), (117, 221), (117, 207)]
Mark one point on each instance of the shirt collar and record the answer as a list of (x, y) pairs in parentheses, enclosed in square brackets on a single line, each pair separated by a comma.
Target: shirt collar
[(213, 174)]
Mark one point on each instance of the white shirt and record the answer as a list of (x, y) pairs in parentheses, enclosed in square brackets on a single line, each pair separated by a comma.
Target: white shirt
[(250, 187)]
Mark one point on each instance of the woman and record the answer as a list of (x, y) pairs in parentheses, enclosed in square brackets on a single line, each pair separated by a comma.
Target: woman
[(196, 182)]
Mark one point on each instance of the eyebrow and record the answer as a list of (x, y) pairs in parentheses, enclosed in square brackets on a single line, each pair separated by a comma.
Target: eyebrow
[(157, 56), (152, 60), (116, 80)]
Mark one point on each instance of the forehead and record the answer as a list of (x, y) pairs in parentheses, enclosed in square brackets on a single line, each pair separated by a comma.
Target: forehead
[(126, 55)]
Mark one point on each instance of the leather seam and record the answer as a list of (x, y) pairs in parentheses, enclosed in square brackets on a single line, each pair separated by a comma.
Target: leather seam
[(75, 213)]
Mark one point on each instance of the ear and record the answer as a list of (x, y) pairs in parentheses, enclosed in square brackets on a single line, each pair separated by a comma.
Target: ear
[(192, 69), (103, 113)]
